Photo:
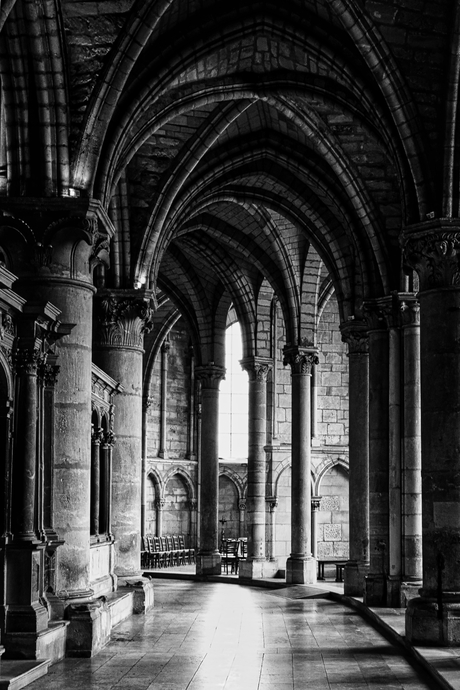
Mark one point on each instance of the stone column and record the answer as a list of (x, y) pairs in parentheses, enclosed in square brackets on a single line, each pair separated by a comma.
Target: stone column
[(257, 369), (412, 567), (273, 504), (208, 560), (242, 517), (394, 441), (300, 565), (96, 438), (375, 593), (106, 452), (314, 402), (159, 505), (164, 399), (354, 333), (315, 503), (26, 363), (146, 402), (432, 249), (122, 316), (191, 436)]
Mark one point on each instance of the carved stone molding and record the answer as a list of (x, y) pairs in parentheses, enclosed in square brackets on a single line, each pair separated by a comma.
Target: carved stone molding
[(122, 318), (160, 503), (257, 368), (378, 313), (242, 505), (355, 335), (210, 375), (432, 250), (300, 360)]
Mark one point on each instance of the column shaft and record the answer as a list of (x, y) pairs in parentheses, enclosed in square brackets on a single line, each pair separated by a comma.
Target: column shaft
[(208, 557), (412, 455), (358, 565), (255, 505), (301, 566)]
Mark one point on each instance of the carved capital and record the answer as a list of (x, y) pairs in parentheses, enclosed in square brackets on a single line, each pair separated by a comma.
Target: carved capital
[(27, 361), (108, 438), (315, 502), (160, 503), (377, 313), (257, 368), (210, 375), (432, 249), (97, 436), (242, 505), (410, 312), (300, 360), (354, 334), (122, 318), (48, 373)]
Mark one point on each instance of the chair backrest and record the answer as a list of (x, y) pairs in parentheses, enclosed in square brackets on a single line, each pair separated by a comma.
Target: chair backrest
[(164, 544), (157, 543), (149, 541), (181, 541), (231, 547), (169, 544), (175, 541)]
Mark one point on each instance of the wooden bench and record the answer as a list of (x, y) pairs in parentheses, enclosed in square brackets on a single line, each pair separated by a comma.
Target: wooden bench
[(339, 566)]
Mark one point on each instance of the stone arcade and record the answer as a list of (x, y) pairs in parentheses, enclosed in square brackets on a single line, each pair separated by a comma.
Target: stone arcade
[(168, 169)]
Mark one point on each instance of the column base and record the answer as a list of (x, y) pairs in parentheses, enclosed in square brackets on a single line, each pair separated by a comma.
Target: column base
[(208, 563), (301, 571), (354, 575), (143, 591), (409, 590), (428, 623), (89, 628), (257, 570), (47, 644), (375, 590)]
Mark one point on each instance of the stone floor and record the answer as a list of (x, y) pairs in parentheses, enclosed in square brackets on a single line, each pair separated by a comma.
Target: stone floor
[(221, 636)]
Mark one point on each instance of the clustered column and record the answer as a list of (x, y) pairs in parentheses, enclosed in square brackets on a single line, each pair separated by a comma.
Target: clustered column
[(208, 557), (432, 249), (301, 566), (257, 369), (354, 333)]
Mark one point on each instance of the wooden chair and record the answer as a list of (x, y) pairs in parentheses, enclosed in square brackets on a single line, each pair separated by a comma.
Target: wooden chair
[(160, 553), (178, 550), (230, 555), (189, 553)]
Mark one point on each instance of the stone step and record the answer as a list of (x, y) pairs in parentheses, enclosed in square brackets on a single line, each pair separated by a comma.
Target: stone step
[(17, 673)]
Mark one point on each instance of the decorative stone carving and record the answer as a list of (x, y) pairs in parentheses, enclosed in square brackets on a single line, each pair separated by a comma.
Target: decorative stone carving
[(124, 317), (242, 505), (300, 360), (434, 253), (378, 313), (410, 312), (27, 360), (355, 335), (210, 375), (258, 369), (48, 373)]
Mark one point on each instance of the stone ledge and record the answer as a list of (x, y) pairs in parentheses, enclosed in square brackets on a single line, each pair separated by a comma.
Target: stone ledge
[(17, 674)]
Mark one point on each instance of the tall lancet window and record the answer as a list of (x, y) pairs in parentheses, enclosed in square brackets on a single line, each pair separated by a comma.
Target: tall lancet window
[(233, 401)]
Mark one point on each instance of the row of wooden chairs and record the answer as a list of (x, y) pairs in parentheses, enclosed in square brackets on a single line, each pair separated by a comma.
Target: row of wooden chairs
[(163, 552)]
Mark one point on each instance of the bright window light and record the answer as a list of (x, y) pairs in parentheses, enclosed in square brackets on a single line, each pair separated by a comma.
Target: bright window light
[(233, 401)]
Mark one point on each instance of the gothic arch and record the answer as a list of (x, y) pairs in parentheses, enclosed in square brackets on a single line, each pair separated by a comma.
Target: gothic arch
[(327, 464), (157, 482), (240, 484), (185, 476), (286, 463)]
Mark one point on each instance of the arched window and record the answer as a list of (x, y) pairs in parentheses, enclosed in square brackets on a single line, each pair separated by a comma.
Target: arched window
[(233, 401)]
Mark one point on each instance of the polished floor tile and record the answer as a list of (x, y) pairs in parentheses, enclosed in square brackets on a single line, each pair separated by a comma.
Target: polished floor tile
[(219, 636)]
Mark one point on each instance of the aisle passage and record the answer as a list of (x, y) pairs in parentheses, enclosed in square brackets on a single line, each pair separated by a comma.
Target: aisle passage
[(216, 636)]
